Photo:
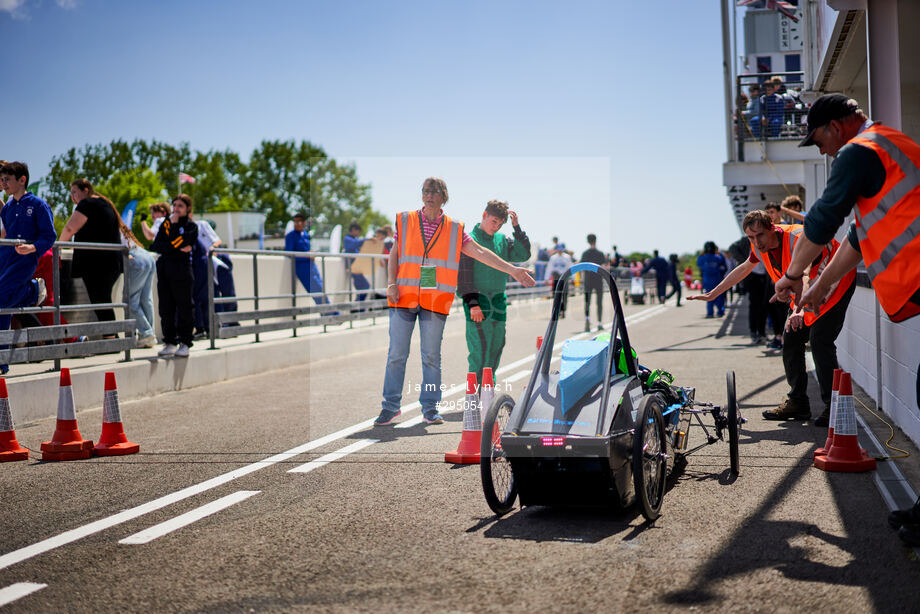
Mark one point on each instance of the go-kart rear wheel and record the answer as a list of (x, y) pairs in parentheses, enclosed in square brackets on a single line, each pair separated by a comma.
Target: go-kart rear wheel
[(497, 478), (734, 422), (649, 460)]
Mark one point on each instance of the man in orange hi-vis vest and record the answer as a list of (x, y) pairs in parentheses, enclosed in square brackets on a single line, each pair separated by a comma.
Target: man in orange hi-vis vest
[(422, 281), (773, 244), (876, 174), (877, 171)]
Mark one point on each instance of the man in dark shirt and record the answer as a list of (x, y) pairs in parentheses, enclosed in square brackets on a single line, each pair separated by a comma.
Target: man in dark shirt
[(857, 172), (174, 241), (593, 282), (660, 266)]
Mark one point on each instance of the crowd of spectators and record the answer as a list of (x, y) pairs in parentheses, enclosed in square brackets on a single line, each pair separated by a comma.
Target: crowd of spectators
[(772, 109), (183, 245)]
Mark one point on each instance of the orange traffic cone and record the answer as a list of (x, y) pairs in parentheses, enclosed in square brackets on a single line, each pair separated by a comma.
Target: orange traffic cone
[(67, 443), (113, 441), (822, 451), (10, 450), (467, 452), (845, 453)]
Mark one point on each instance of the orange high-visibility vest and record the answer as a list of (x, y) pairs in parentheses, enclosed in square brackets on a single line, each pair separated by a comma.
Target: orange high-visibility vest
[(442, 253), (888, 224), (790, 234)]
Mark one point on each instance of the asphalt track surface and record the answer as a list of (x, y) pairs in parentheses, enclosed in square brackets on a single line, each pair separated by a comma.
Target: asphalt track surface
[(273, 493)]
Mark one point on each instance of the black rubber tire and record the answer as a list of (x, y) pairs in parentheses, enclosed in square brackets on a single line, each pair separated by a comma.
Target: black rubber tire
[(497, 477), (649, 460), (734, 422)]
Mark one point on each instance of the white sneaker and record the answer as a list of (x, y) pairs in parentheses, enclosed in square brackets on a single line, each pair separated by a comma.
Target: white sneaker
[(168, 350), (181, 351), (42, 292), (146, 342)]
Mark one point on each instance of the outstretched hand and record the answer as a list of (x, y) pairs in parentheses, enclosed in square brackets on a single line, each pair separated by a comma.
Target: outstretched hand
[(520, 274), (702, 297)]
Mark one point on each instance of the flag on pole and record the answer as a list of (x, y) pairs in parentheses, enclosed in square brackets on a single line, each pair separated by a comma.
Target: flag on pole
[(781, 6), (127, 214), (183, 178)]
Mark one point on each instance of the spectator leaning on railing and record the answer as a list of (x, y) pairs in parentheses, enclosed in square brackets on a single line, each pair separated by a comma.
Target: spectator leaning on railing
[(27, 218), (95, 220)]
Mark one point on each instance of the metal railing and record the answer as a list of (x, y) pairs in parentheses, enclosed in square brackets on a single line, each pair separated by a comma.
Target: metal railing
[(58, 340), (768, 117), (327, 310)]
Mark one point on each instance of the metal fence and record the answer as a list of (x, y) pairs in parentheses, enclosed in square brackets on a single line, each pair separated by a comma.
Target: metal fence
[(326, 308), (66, 340), (259, 312)]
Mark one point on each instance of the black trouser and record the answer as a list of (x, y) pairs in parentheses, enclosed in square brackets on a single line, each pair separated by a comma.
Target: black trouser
[(565, 295), (174, 290), (778, 311), (756, 286), (599, 291), (822, 335), (99, 288), (675, 289)]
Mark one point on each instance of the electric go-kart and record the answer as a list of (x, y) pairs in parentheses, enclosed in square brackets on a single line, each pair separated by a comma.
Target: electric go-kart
[(600, 429)]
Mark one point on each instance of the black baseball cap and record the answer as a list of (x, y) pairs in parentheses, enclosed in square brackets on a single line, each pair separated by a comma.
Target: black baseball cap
[(826, 109)]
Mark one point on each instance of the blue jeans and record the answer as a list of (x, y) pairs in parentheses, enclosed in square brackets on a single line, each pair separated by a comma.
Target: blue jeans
[(361, 283), (431, 330), (141, 267)]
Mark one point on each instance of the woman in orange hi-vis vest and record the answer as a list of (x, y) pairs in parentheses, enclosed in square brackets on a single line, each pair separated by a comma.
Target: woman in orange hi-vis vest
[(422, 282), (773, 246)]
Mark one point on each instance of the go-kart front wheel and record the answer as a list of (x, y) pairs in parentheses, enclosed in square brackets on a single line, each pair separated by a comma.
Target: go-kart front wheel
[(497, 478), (734, 422), (649, 460)]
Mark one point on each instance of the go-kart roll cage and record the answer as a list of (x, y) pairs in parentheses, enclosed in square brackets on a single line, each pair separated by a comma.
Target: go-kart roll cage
[(545, 353)]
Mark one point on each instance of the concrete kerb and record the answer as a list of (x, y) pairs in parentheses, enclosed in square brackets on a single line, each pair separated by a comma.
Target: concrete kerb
[(35, 397)]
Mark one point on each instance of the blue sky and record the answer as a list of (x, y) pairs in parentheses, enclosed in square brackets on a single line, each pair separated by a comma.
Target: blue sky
[(602, 117)]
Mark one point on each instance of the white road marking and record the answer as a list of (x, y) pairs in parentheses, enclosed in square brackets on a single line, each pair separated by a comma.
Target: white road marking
[(333, 456), (183, 520), (67, 537), (17, 591)]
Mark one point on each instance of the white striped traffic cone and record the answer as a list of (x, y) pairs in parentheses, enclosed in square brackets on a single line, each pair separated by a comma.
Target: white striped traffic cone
[(467, 452), (10, 450), (113, 441), (67, 443)]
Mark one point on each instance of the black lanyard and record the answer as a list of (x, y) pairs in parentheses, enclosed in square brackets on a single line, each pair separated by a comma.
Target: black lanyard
[(434, 238)]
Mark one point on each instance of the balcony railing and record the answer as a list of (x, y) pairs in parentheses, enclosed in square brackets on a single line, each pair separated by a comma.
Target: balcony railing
[(763, 113)]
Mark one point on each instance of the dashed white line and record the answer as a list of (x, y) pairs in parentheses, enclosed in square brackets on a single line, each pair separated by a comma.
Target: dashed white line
[(67, 537), (183, 520), (17, 591), (333, 456)]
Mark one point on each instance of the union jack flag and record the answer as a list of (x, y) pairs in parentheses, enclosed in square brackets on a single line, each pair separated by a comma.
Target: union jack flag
[(782, 6)]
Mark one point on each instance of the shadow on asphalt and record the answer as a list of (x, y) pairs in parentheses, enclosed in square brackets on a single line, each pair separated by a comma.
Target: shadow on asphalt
[(788, 552), (585, 525)]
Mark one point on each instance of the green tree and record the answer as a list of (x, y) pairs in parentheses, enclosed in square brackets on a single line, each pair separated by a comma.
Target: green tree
[(282, 177), (140, 184)]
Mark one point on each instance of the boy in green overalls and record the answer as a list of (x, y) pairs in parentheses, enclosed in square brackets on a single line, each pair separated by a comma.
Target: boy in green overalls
[(483, 288)]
